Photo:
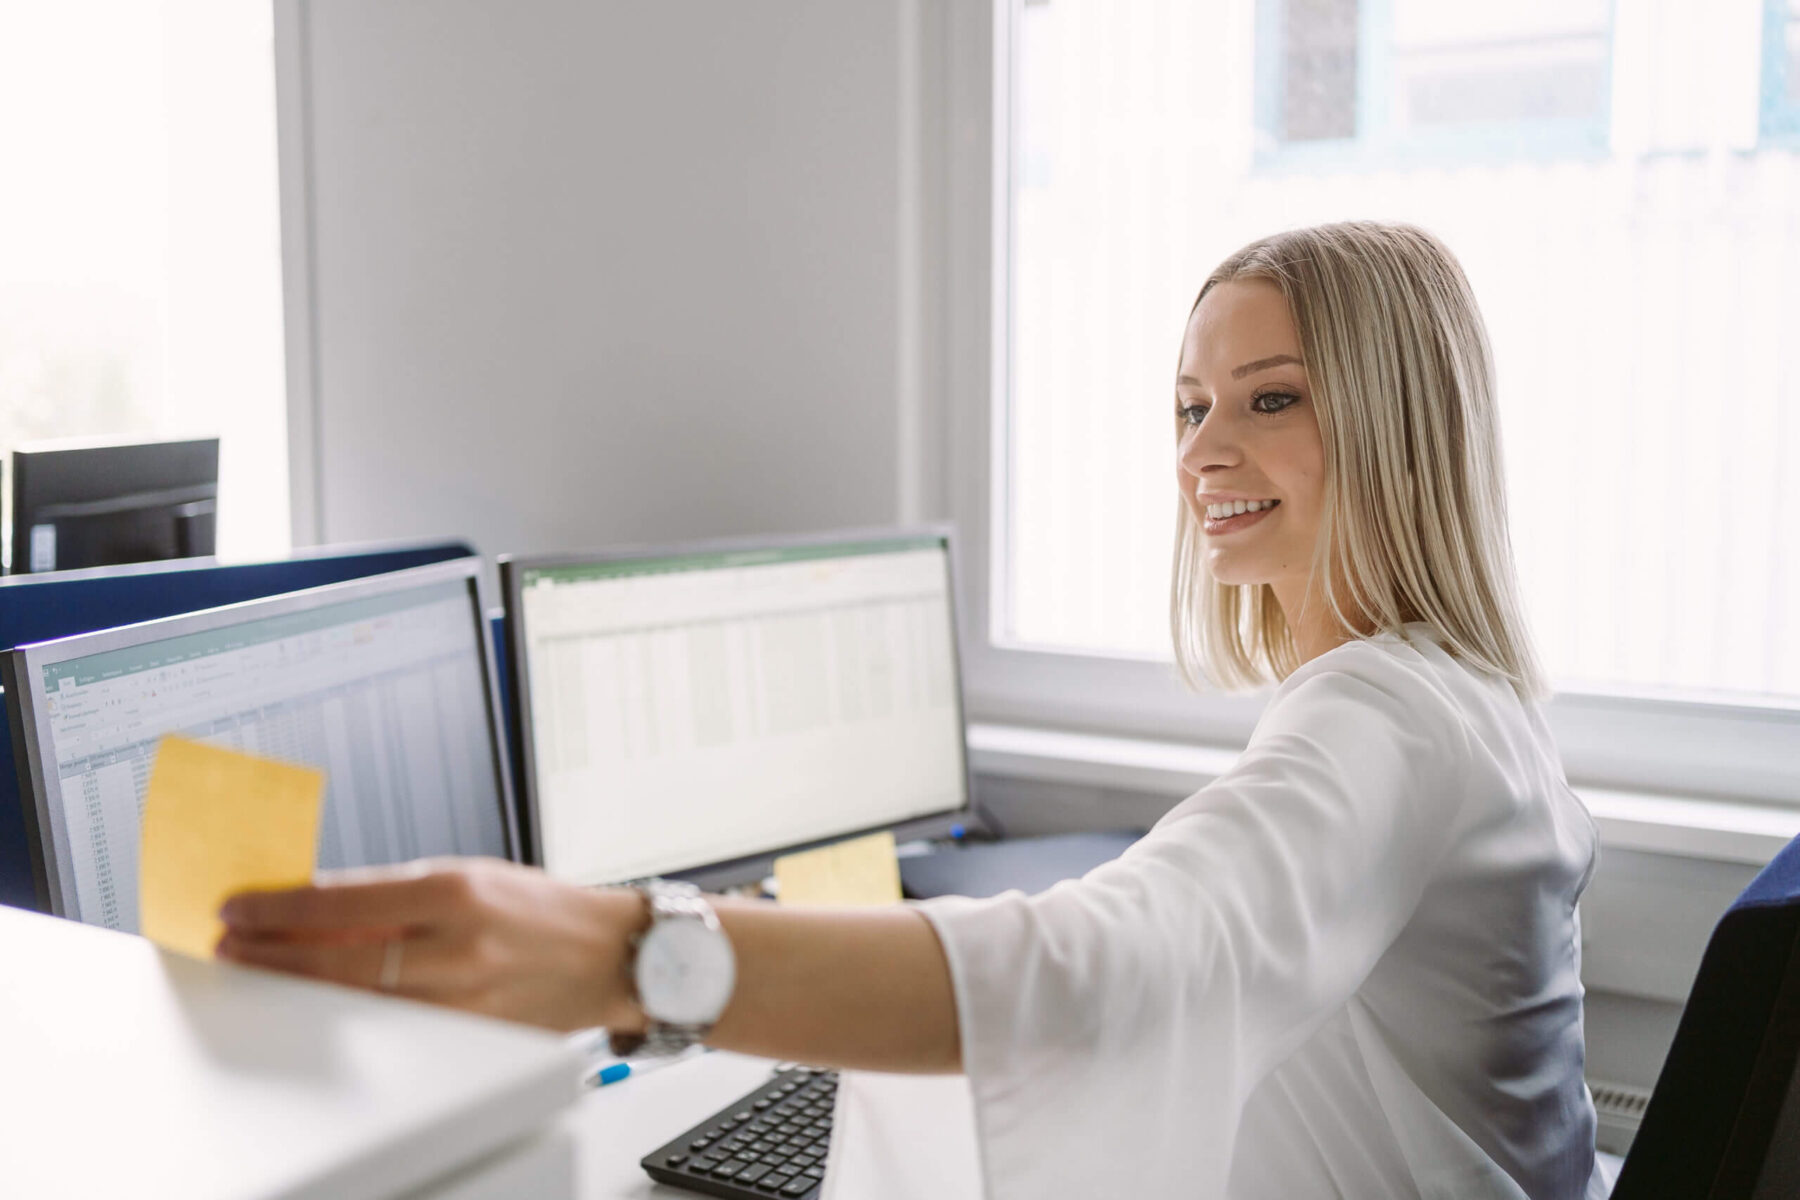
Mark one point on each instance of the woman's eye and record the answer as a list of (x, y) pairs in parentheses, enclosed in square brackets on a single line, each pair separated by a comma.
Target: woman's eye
[(1193, 414), (1273, 402)]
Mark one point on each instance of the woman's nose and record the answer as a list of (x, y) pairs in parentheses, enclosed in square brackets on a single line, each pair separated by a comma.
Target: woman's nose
[(1209, 444)]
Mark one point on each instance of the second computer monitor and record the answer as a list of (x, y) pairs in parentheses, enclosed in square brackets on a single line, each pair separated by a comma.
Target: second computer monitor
[(386, 683), (687, 707), (98, 505)]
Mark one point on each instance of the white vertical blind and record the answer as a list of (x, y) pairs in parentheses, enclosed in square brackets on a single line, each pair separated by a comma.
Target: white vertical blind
[(1643, 302)]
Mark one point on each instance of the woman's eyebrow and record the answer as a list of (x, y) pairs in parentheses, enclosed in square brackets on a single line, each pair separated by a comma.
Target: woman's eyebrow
[(1249, 368), (1263, 364)]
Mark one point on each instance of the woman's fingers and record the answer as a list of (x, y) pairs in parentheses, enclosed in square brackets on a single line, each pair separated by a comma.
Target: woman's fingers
[(424, 967), (358, 963), (391, 899)]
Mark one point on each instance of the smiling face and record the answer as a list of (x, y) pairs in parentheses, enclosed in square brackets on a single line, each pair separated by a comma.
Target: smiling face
[(1249, 460)]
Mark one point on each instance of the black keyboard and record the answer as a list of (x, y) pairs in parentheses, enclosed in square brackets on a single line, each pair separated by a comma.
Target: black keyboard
[(770, 1142)]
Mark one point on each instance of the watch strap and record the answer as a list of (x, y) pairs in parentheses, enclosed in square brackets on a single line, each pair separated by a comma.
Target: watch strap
[(656, 1041)]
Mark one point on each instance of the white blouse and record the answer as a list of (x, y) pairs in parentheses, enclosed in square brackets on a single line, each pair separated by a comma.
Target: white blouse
[(1350, 966)]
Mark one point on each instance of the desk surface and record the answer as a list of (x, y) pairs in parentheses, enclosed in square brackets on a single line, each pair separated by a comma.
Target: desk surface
[(132, 1071), (616, 1126), (620, 1124)]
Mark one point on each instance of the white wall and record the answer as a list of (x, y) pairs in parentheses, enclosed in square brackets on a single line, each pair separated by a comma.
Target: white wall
[(589, 272)]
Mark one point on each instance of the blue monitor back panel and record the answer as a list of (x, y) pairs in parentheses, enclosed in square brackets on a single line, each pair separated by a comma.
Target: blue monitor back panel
[(35, 608)]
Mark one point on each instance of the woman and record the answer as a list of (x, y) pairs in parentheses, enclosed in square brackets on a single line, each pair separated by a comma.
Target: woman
[(1347, 967)]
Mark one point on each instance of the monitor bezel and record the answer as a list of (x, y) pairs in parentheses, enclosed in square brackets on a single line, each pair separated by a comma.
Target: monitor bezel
[(51, 858), (750, 867)]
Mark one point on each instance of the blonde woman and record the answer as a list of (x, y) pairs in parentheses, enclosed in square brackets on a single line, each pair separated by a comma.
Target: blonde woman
[(1348, 967)]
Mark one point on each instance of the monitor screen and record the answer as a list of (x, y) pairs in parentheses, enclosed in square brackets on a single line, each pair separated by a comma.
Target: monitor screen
[(686, 708), (384, 683)]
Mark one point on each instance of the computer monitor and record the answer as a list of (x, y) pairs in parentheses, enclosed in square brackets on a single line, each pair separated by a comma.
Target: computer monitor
[(94, 505), (386, 683), (57, 604), (708, 705)]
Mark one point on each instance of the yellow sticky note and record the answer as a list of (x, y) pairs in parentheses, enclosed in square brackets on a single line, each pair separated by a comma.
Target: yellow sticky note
[(216, 823), (860, 871)]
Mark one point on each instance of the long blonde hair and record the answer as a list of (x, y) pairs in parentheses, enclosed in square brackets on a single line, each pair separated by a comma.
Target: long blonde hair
[(1413, 524)]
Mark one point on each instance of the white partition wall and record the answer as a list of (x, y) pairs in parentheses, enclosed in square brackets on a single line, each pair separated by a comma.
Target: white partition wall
[(565, 273)]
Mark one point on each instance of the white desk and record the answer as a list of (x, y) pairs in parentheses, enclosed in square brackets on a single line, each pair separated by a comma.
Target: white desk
[(135, 1072), (620, 1124), (918, 1116)]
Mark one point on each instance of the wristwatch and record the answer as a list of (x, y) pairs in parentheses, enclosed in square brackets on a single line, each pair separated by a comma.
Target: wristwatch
[(684, 970)]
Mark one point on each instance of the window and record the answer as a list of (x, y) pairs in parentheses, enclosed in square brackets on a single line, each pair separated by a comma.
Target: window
[(1780, 107), (1639, 298), (140, 286), (1366, 81)]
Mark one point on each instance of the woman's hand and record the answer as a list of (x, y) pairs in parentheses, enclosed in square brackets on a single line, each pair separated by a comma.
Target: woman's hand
[(477, 934)]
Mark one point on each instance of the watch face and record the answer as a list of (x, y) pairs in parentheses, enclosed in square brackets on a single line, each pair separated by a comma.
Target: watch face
[(684, 972)]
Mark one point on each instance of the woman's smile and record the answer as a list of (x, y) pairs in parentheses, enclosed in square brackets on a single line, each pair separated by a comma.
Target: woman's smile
[(1229, 516)]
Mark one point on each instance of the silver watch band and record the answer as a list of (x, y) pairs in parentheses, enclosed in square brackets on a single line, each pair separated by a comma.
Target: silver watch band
[(669, 899)]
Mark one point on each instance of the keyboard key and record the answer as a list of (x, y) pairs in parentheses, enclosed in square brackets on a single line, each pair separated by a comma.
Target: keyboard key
[(753, 1172), (731, 1169), (774, 1181), (800, 1187)]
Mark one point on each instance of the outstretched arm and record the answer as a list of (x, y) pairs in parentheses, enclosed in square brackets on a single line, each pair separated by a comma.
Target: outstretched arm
[(863, 988)]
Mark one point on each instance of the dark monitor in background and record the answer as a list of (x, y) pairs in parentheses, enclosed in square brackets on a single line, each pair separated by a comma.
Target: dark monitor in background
[(385, 683), (88, 505), (696, 709)]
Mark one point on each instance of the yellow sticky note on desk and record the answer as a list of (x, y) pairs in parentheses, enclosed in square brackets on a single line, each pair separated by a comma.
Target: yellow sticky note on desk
[(860, 871), (216, 823)]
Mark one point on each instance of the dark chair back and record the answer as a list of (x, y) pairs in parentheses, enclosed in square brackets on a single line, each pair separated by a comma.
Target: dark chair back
[(1724, 1120)]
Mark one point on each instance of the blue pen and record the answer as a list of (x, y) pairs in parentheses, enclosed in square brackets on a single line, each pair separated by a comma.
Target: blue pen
[(619, 1071), (612, 1073)]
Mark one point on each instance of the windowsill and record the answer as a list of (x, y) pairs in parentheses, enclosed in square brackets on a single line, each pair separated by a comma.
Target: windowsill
[(1684, 826)]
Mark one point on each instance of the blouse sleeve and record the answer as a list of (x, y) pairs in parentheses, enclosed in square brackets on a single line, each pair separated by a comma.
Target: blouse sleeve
[(1113, 1026)]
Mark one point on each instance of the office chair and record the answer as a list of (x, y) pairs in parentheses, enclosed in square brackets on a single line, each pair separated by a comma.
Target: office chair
[(1723, 1122)]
